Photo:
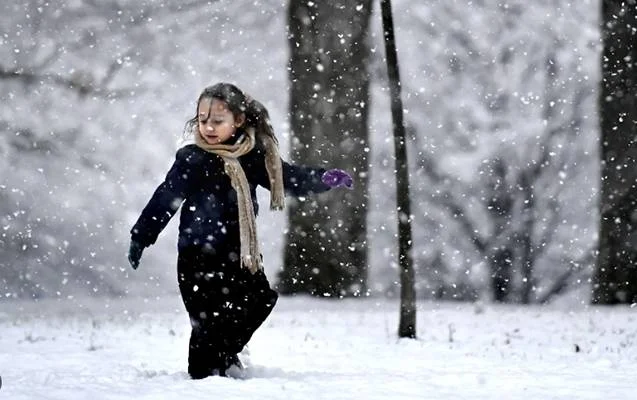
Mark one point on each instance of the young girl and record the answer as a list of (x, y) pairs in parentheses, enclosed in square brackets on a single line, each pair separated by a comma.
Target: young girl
[(219, 265)]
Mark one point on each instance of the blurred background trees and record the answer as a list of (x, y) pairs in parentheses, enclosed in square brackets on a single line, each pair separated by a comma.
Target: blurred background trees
[(500, 100), (59, 73), (90, 119), (502, 114)]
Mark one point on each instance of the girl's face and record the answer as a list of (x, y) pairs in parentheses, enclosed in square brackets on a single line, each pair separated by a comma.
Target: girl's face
[(216, 122)]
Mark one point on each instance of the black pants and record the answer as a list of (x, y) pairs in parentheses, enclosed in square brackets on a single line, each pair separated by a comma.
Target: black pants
[(226, 305)]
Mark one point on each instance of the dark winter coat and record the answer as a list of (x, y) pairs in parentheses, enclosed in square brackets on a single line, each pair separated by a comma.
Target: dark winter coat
[(209, 216)]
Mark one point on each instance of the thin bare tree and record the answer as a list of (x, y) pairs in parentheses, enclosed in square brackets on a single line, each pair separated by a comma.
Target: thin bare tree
[(407, 322)]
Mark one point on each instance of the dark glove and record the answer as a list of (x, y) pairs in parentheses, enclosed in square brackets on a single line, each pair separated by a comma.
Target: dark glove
[(337, 177), (135, 253)]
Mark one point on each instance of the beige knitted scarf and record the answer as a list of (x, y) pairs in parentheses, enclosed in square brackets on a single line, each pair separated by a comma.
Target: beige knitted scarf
[(230, 153)]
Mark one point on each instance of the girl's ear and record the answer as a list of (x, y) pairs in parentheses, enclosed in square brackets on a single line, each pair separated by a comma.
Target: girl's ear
[(240, 120)]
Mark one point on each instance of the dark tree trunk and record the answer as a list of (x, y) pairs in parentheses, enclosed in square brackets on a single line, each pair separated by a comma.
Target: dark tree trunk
[(524, 238), (326, 249), (615, 279), (407, 322), (501, 274), (500, 207)]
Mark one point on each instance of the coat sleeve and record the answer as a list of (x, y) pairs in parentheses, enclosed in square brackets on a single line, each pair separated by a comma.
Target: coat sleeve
[(165, 201), (298, 180)]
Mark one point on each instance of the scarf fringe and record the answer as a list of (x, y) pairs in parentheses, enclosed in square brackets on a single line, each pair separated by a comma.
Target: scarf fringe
[(275, 173), (251, 264)]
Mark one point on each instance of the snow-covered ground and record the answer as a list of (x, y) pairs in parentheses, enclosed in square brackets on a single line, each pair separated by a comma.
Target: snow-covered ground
[(321, 349)]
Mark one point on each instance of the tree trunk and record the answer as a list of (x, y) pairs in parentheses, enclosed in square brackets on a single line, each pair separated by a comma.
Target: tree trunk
[(407, 322), (501, 275), (525, 236), (326, 249), (501, 209), (615, 279)]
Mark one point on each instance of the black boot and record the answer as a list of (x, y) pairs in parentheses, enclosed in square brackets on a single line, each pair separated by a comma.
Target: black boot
[(204, 362), (230, 361), (233, 361)]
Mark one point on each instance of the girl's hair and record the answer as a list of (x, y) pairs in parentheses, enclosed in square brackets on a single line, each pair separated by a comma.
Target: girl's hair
[(238, 102)]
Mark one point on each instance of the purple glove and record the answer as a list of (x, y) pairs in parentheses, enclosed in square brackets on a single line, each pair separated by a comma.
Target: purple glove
[(337, 177)]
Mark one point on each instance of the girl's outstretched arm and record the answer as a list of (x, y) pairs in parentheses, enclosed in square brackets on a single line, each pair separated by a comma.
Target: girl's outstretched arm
[(165, 201), (298, 180), (301, 180)]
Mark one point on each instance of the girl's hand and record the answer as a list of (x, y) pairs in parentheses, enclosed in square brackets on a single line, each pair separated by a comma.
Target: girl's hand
[(135, 253), (337, 178)]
